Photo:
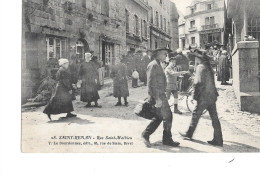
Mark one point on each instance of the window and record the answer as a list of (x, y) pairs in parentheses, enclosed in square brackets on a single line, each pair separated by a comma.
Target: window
[(56, 48), (127, 20), (192, 40), (254, 28), (136, 26), (145, 29), (192, 10), (151, 15), (117, 54), (169, 29), (141, 28), (210, 20), (105, 7), (164, 21), (209, 6), (83, 3), (80, 49), (192, 24), (161, 20), (155, 44), (157, 19)]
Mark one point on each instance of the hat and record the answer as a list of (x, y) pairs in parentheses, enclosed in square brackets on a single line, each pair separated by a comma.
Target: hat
[(94, 58), (201, 54), (172, 54), (224, 52), (88, 55), (63, 61), (160, 49), (179, 50), (172, 58)]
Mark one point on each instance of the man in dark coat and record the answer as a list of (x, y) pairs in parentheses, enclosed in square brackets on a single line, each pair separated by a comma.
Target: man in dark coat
[(88, 78), (144, 63), (182, 60), (205, 93), (129, 63), (119, 75), (223, 71), (61, 101), (156, 89), (98, 65)]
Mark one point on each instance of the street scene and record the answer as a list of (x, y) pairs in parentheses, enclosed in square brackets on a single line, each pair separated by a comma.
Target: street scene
[(142, 76)]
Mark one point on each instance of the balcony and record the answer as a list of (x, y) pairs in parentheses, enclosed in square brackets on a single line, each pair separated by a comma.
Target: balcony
[(182, 36), (192, 29), (209, 27)]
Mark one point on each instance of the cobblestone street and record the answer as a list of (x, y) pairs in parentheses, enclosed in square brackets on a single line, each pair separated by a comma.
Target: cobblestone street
[(241, 130)]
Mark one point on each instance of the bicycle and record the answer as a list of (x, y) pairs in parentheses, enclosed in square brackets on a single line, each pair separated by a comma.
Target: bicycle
[(187, 94)]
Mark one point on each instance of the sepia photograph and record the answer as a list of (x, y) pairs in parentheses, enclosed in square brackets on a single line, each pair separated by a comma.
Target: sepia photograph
[(140, 76)]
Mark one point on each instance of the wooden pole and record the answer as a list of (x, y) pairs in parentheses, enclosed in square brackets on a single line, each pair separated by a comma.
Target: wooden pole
[(245, 20)]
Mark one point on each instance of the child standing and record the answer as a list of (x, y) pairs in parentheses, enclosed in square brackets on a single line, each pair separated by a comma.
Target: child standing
[(172, 73)]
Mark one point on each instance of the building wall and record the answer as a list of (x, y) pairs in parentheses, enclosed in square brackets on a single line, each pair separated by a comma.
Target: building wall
[(174, 27), (69, 21), (199, 15), (76, 21), (134, 8), (162, 37)]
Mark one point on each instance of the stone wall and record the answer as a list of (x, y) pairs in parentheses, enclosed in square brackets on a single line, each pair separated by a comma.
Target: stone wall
[(70, 20), (245, 75)]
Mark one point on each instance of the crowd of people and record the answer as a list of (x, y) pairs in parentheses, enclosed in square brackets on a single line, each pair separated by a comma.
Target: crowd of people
[(160, 70)]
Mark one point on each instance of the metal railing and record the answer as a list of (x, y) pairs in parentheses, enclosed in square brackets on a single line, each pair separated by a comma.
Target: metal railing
[(208, 27), (193, 29)]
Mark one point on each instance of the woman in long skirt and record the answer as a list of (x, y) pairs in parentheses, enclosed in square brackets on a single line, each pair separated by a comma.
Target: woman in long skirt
[(61, 101), (88, 77)]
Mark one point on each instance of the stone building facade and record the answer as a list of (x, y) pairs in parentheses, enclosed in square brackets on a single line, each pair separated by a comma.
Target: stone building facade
[(163, 19), (137, 26), (54, 29), (245, 52), (204, 23)]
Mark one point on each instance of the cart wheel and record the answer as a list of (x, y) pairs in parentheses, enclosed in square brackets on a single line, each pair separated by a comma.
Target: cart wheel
[(190, 103)]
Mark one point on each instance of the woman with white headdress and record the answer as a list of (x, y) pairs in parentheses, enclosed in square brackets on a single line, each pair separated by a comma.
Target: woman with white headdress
[(61, 101), (88, 77)]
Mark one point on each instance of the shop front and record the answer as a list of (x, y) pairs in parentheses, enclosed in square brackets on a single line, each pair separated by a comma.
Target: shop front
[(209, 36)]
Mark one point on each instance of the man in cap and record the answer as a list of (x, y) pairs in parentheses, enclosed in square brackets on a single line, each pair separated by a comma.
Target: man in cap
[(205, 93), (156, 82), (183, 60), (172, 73)]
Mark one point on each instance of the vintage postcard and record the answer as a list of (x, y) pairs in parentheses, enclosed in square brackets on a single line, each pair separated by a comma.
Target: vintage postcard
[(140, 76)]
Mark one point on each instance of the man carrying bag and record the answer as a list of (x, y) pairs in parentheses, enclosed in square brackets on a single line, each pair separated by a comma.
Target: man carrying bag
[(156, 89)]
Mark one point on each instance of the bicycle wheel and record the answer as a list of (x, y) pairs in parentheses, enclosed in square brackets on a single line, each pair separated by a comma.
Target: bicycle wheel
[(190, 103)]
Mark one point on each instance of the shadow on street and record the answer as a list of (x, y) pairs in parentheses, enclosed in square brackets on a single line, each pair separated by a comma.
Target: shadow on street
[(179, 149), (230, 146), (76, 120)]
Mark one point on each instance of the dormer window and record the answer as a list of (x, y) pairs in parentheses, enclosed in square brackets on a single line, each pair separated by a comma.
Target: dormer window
[(209, 6), (192, 10)]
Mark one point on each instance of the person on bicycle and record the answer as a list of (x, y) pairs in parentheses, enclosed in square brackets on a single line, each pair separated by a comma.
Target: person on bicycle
[(205, 93), (172, 73)]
